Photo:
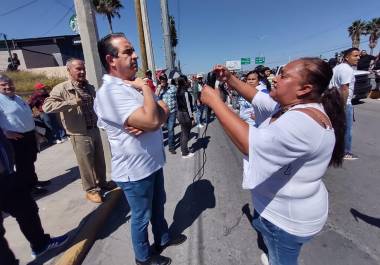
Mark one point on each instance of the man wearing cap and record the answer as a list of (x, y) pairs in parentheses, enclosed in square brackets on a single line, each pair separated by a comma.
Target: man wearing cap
[(199, 107), (36, 100), (168, 94), (17, 124), (74, 100)]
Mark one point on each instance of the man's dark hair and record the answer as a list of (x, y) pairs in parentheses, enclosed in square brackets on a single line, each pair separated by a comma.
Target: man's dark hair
[(105, 48), (349, 51)]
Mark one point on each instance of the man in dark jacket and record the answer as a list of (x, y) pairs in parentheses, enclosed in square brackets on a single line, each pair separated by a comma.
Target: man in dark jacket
[(365, 60)]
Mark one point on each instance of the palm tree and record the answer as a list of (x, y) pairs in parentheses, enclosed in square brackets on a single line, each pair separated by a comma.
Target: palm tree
[(373, 30), (109, 8), (173, 35), (355, 31)]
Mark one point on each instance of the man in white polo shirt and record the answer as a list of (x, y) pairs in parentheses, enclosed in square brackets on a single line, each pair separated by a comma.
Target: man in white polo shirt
[(344, 80), (132, 117), (17, 124)]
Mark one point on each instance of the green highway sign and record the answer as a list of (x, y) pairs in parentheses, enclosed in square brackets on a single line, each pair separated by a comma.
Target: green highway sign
[(245, 60), (259, 60)]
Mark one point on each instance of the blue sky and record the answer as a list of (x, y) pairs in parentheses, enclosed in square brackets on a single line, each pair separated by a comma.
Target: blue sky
[(213, 31)]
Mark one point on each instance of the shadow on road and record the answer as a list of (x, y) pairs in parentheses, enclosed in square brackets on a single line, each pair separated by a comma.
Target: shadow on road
[(198, 197), (61, 181), (366, 218), (118, 218), (201, 143), (260, 241)]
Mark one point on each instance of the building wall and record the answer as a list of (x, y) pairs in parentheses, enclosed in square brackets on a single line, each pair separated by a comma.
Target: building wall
[(40, 56), (57, 71), (42, 52)]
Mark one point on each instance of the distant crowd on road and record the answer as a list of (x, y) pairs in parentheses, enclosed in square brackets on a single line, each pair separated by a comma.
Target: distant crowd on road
[(290, 127)]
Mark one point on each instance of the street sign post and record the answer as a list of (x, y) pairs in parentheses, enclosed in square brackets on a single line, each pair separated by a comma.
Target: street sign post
[(259, 60), (245, 60)]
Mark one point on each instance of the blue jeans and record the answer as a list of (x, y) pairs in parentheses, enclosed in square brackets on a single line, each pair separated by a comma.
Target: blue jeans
[(146, 198), (199, 111), (348, 134), (170, 125), (283, 247)]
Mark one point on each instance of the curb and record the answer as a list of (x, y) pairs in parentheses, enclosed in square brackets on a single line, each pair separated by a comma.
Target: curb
[(86, 236)]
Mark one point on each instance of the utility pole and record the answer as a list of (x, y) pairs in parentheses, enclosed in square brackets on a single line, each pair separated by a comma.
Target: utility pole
[(89, 38), (144, 61), (166, 29), (148, 40), (6, 45)]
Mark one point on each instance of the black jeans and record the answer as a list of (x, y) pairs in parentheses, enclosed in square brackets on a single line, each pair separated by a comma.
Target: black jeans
[(185, 122), (15, 199), (25, 150)]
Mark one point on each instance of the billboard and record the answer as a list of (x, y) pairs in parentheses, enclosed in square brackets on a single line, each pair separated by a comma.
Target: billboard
[(233, 65)]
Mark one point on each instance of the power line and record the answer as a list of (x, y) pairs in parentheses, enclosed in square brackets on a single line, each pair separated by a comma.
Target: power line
[(61, 4), (60, 20), (18, 8)]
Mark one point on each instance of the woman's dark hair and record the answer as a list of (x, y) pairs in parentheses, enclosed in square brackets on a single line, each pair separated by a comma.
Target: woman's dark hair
[(261, 78), (318, 73), (253, 72), (182, 82), (105, 48)]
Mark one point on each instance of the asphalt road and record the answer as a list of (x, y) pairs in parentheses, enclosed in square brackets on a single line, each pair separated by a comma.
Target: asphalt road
[(209, 210)]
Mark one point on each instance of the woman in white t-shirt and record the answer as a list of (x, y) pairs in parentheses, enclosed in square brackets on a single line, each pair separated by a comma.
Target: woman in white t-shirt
[(288, 153)]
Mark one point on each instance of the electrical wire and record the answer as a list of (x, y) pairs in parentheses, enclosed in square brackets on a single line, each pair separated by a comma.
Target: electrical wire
[(60, 20), (18, 8)]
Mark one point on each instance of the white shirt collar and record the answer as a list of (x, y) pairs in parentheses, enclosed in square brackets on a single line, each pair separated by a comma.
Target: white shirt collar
[(113, 79)]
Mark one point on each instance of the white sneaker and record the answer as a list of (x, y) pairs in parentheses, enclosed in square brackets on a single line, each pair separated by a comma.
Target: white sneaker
[(264, 259), (200, 126), (189, 155)]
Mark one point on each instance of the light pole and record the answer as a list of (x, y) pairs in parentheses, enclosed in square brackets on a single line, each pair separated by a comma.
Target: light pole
[(9, 51)]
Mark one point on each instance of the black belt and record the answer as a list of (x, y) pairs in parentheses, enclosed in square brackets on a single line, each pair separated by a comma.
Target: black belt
[(91, 127)]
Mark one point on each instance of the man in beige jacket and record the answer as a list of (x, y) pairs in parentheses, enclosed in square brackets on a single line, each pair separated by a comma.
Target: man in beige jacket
[(74, 100)]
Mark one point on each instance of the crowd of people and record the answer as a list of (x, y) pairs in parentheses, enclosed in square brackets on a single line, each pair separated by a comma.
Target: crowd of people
[(290, 129)]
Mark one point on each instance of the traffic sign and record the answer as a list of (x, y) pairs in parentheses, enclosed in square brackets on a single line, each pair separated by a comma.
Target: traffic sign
[(245, 60), (259, 60)]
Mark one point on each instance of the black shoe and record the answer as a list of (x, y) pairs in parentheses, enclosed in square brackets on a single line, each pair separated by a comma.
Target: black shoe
[(38, 191), (172, 151), (155, 260), (43, 183), (108, 186), (173, 242)]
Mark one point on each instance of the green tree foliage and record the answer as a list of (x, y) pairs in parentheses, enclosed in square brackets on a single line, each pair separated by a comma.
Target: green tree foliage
[(173, 32), (355, 31), (373, 30), (109, 8)]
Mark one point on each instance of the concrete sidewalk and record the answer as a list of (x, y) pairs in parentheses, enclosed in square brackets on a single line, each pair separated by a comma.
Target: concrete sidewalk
[(62, 210)]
